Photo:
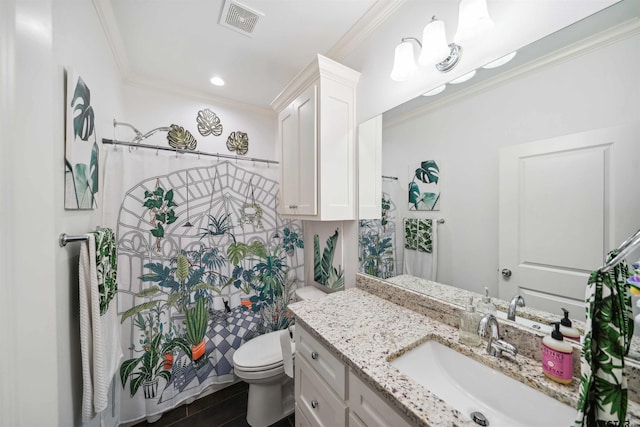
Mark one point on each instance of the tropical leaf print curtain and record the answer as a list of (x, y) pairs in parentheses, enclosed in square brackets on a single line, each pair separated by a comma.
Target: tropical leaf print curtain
[(377, 242), (204, 265)]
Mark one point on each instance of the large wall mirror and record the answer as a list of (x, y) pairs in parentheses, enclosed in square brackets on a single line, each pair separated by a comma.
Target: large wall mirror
[(536, 169)]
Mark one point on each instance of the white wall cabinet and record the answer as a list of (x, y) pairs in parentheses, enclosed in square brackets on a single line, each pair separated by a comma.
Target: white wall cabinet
[(316, 138), (328, 394)]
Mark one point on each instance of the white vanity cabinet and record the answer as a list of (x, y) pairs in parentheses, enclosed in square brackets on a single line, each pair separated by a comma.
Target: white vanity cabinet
[(316, 138), (328, 394)]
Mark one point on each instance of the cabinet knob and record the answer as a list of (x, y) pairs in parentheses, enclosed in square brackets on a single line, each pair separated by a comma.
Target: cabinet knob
[(293, 206), (314, 355), (314, 404)]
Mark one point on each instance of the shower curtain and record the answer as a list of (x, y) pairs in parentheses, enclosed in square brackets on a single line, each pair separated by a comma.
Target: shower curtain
[(204, 264), (377, 241)]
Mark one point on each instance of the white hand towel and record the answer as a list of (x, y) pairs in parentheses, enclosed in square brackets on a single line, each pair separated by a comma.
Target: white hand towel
[(288, 348), (99, 336)]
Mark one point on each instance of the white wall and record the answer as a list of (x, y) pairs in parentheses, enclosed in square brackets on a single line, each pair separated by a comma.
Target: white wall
[(596, 90), (148, 109), (78, 42)]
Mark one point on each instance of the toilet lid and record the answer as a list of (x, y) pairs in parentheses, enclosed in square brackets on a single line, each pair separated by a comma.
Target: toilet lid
[(308, 293), (262, 352)]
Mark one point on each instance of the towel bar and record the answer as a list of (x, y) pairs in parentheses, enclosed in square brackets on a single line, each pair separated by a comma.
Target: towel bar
[(64, 239)]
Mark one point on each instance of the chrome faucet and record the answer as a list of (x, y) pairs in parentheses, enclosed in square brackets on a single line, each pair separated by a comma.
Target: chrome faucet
[(496, 346), (516, 301)]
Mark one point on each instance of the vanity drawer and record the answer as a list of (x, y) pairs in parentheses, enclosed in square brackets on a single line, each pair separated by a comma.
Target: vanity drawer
[(319, 405), (329, 367), (300, 419), (370, 408)]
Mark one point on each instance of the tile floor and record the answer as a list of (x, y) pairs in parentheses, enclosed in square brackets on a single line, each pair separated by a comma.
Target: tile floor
[(225, 408)]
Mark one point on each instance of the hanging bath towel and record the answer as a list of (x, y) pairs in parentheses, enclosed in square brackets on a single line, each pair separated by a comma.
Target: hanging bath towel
[(608, 332), (99, 326), (420, 255)]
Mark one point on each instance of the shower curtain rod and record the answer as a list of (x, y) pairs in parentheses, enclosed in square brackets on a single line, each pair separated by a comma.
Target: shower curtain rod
[(395, 178), (627, 246), (178, 150)]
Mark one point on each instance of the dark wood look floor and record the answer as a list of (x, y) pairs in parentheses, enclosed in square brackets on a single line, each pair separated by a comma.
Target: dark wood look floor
[(224, 408)]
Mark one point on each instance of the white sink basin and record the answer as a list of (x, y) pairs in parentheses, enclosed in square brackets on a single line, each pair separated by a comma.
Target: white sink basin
[(546, 329), (470, 386)]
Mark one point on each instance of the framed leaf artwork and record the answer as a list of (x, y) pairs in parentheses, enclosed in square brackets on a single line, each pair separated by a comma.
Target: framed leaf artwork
[(424, 187), (81, 160)]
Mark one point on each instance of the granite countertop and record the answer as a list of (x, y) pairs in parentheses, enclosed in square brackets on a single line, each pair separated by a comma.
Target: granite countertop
[(366, 331)]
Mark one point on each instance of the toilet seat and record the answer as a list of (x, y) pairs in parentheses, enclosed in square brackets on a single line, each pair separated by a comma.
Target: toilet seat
[(260, 354)]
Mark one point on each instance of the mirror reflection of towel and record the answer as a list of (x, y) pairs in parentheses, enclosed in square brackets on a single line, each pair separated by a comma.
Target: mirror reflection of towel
[(420, 255), (417, 234)]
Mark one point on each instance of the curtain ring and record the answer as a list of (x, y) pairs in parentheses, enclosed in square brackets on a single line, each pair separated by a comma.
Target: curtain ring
[(176, 152), (198, 154), (156, 150)]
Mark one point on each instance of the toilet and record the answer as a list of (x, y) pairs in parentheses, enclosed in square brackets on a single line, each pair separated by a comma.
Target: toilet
[(259, 363)]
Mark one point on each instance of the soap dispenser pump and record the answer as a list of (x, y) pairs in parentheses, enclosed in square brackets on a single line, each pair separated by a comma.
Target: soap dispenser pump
[(485, 306), (567, 330), (469, 321), (557, 360)]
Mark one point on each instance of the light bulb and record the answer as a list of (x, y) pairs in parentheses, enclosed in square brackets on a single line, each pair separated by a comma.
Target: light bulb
[(473, 19), (434, 43), (403, 63)]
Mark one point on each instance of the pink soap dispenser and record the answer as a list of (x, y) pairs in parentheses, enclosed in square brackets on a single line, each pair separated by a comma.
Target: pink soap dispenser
[(557, 359)]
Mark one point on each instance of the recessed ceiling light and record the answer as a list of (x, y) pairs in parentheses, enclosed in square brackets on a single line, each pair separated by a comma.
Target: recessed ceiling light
[(435, 91), (463, 78), (217, 81), (501, 61)]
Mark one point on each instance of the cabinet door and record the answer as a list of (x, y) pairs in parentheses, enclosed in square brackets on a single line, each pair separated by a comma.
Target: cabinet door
[(337, 147), (370, 408), (298, 141)]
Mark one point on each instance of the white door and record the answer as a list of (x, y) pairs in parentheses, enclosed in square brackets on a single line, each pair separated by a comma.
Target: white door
[(563, 205)]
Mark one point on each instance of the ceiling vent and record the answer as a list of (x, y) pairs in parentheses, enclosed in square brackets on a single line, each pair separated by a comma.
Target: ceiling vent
[(239, 17)]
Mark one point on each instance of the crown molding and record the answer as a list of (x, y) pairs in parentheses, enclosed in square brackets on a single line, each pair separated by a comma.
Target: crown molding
[(605, 38), (134, 80), (367, 24), (112, 32), (320, 66)]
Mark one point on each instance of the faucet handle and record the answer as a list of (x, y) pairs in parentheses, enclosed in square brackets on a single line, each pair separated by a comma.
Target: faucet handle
[(500, 346)]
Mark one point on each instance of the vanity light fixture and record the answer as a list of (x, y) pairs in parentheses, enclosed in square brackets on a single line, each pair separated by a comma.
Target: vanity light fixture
[(434, 50), (435, 91), (501, 61), (217, 81), (473, 20), (463, 78)]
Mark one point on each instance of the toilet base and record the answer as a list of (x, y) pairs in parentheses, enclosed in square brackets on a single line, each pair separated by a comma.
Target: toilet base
[(269, 403)]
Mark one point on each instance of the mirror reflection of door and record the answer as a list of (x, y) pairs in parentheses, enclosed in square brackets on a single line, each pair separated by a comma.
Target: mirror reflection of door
[(561, 209)]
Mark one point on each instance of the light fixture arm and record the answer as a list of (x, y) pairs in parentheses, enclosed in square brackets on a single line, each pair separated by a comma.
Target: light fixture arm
[(406, 39)]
